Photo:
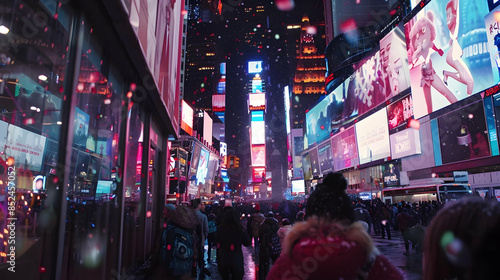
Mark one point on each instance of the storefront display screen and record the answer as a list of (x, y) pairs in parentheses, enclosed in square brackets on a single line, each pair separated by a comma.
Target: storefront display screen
[(449, 58)]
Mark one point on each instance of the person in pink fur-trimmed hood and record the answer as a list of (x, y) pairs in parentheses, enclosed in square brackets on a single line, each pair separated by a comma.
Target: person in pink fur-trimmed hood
[(329, 244)]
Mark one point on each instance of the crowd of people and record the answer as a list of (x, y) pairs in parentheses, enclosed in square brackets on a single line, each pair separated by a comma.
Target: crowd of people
[(328, 237)]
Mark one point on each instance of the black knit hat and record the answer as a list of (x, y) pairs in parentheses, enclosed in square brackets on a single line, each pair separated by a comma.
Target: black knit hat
[(330, 200)]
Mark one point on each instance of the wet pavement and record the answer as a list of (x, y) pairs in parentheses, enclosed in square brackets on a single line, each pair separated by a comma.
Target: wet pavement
[(393, 249)]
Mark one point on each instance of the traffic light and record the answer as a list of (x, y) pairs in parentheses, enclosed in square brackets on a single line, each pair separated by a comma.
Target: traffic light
[(236, 163)]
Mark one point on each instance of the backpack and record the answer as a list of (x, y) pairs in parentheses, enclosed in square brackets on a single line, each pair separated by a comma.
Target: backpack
[(275, 244), (212, 227), (177, 252)]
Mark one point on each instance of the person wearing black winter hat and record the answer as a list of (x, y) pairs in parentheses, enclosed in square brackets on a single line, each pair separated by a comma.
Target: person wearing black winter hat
[(329, 244)]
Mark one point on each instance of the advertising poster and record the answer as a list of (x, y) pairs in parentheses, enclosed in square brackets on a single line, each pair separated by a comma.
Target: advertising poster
[(463, 134), (257, 101), (306, 166), (257, 173), (298, 186), (345, 150), (182, 156), (400, 112), (202, 172), (405, 143), (313, 154), (80, 128), (391, 175), (325, 157), (320, 118), (256, 86), (254, 67), (372, 137), (187, 118), (449, 58), (26, 147), (258, 133), (298, 147), (493, 33), (259, 155), (492, 111)]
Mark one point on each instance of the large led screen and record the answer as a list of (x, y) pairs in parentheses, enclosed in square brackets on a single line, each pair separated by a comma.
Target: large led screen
[(195, 158), (298, 186), (258, 133), (207, 128), (306, 166), (325, 157), (187, 118), (492, 22), (218, 102), (257, 173), (298, 147), (254, 67), (257, 86), (26, 147), (372, 136), (463, 134), (202, 172), (313, 154), (259, 155), (320, 118), (400, 112), (405, 143), (345, 150), (449, 59), (257, 116), (257, 101), (286, 93)]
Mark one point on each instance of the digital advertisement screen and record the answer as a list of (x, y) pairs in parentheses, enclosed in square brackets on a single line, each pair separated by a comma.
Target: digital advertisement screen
[(286, 93), (492, 22), (463, 134), (319, 119), (187, 118), (202, 172), (257, 101), (372, 137), (254, 67), (195, 158), (306, 166), (218, 102), (257, 86), (207, 128), (258, 133), (298, 147), (26, 147), (449, 59), (494, 134), (259, 155), (298, 186), (313, 154), (103, 186), (221, 116), (345, 150), (400, 112), (257, 173), (257, 116), (80, 128), (325, 157), (391, 175), (405, 143)]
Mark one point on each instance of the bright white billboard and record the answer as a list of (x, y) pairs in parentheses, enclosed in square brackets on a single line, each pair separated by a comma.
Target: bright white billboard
[(298, 186), (258, 133), (372, 135), (187, 118), (207, 128), (405, 143), (254, 67), (25, 147), (257, 101)]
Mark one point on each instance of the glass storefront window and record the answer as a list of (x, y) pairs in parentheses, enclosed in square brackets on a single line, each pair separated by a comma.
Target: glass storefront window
[(93, 214), (34, 39)]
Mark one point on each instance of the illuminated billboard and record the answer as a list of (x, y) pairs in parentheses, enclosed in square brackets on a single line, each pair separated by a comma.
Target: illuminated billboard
[(259, 155), (400, 112), (298, 186), (218, 102), (254, 67), (257, 173), (286, 93), (306, 166), (220, 115), (223, 68), (463, 134), (257, 101), (318, 120), (256, 85), (257, 116), (325, 157), (258, 133), (207, 128), (187, 118), (202, 170), (26, 147), (345, 150), (451, 61), (372, 137), (405, 143), (313, 155)]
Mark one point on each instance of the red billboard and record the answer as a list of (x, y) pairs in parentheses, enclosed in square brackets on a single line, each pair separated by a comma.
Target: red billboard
[(257, 173), (259, 155), (400, 112)]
